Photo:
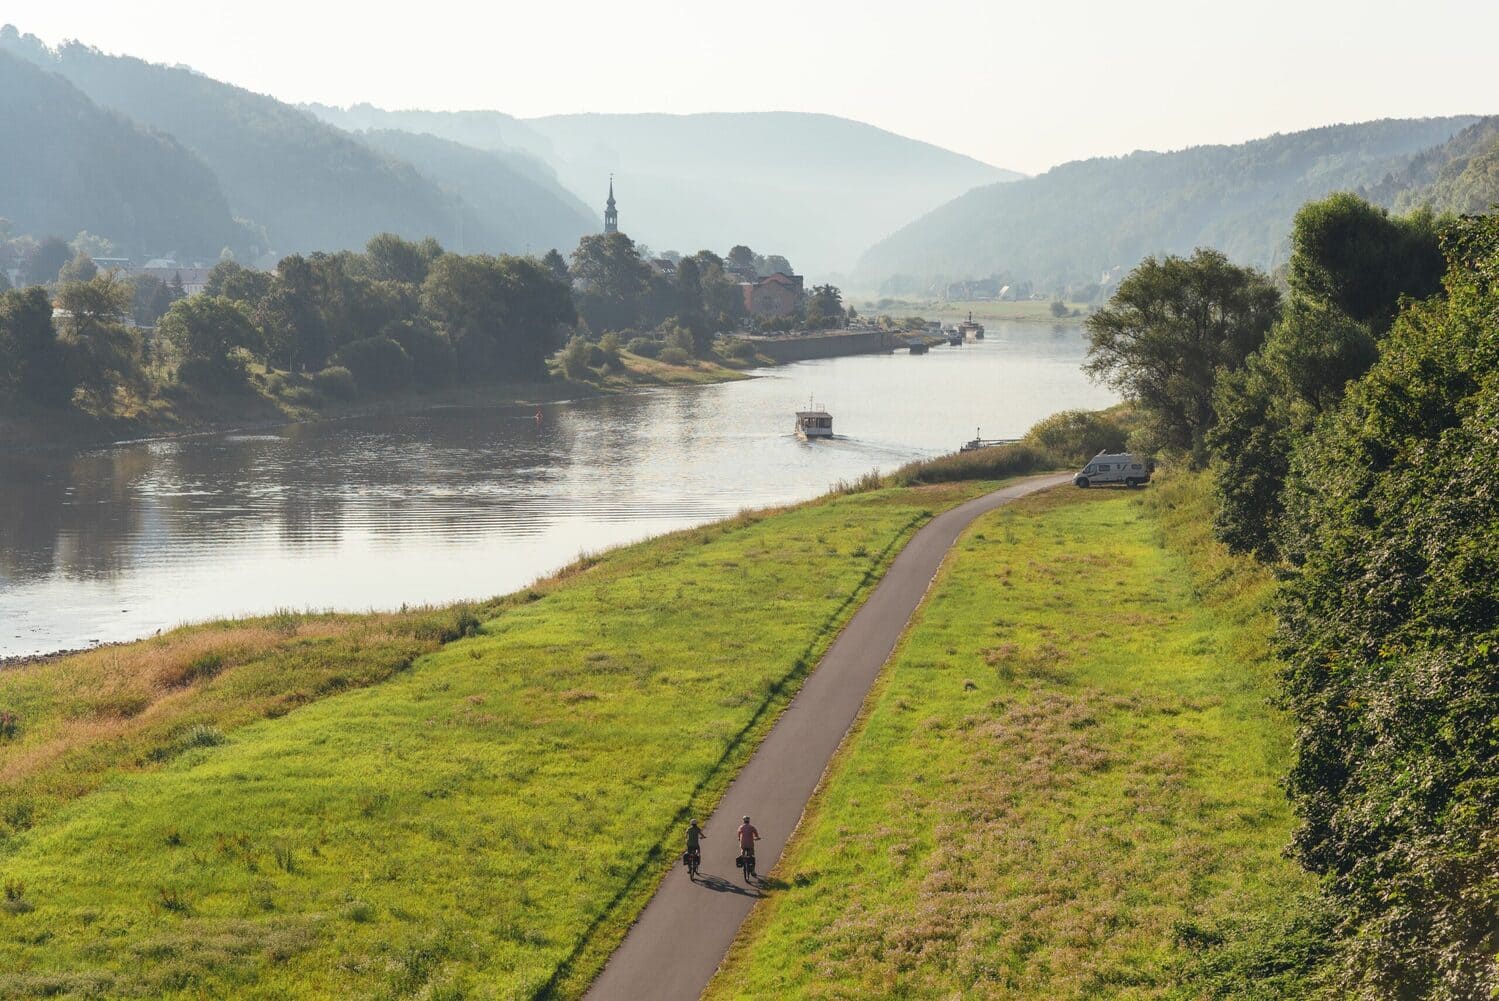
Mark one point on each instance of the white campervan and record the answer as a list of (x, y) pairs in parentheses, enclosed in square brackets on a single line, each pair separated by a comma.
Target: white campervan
[(1114, 467)]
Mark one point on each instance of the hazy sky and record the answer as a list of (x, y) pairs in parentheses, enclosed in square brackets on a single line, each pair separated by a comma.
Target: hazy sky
[(1019, 84)]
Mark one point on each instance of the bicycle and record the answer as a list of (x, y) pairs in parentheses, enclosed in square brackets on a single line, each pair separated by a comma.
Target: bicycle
[(693, 858)]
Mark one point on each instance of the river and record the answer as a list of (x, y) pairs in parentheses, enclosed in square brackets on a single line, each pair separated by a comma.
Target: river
[(114, 543)]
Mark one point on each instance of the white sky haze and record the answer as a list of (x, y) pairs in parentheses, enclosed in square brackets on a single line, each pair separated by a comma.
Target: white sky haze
[(1020, 85)]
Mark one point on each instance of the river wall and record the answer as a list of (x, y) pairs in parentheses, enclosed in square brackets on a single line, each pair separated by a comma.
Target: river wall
[(851, 342)]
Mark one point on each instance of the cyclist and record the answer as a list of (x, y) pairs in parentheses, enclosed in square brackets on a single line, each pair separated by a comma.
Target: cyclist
[(694, 849), (747, 838)]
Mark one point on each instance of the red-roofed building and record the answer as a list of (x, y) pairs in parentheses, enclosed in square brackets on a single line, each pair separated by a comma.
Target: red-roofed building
[(779, 294)]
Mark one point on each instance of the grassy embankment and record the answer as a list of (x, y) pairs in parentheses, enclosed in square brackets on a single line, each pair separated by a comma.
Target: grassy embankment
[(347, 806), (1065, 786)]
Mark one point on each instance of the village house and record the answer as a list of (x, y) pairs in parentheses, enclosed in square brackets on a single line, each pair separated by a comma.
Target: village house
[(779, 294), (194, 279)]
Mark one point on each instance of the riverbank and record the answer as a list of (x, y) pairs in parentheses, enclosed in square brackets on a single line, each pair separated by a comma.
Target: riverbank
[(535, 756), (486, 795), (183, 411)]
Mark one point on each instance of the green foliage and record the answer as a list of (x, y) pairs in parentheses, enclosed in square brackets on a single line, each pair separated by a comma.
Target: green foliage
[(103, 354), (824, 308), (1352, 264), (575, 358), (33, 366), (209, 333), (611, 281), (335, 382), (1168, 329), (1357, 259), (742, 349), (1391, 636), (502, 315), (995, 463), (674, 355), (46, 260), (80, 269), (379, 364), (1074, 436), (645, 347)]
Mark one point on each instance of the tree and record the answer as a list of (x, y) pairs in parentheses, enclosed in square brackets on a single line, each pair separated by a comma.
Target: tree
[(32, 363), (246, 286), (1058, 308), (824, 307), (1168, 328), (611, 280), (46, 259), (1390, 630), (89, 245), (503, 315), (104, 354), (208, 333), (1351, 265), (290, 321), (774, 263), (1357, 258), (741, 258), (80, 269), (152, 298), (556, 264), (390, 258)]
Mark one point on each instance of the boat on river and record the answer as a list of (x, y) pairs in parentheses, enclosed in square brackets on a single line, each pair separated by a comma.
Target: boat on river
[(813, 424), (969, 329), (916, 346), (979, 441)]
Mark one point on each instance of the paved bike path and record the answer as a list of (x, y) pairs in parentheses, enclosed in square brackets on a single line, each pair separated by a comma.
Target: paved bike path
[(675, 947)]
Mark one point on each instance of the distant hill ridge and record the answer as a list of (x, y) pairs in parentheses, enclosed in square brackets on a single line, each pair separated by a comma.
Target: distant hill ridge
[(813, 187), (70, 165), (1067, 226)]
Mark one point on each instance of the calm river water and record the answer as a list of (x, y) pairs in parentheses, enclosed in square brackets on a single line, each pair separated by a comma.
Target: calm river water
[(114, 543)]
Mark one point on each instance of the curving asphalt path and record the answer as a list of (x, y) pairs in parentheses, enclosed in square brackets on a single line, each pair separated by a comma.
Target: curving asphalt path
[(675, 947)]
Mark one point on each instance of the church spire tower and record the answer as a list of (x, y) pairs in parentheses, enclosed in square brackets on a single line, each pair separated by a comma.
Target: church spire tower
[(611, 214)]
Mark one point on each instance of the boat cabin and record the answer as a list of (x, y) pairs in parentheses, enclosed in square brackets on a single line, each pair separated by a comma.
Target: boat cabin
[(814, 424), (969, 329)]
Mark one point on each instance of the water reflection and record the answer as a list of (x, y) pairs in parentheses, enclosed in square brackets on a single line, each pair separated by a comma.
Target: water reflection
[(114, 543)]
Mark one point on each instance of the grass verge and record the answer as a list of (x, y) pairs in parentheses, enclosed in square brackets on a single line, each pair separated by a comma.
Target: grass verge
[(1065, 785), (481, 821)]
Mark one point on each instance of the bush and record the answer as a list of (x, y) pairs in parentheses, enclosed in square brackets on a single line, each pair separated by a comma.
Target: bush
[(300, 396), (1076, 435), (379, 364), (334, 382), (202, 735), (576, 356), (431, 353), (609, 352), (645, 347), (983, 464), (675, 356), (741, 349), (275, 384)]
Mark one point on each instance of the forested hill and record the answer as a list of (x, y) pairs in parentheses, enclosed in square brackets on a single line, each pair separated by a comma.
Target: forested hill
[(298, 181), (1077, 220), (70, 165), (1460, 176)]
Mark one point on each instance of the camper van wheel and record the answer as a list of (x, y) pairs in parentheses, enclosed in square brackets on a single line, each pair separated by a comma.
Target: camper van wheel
[(1082, 481), (1132, 483)]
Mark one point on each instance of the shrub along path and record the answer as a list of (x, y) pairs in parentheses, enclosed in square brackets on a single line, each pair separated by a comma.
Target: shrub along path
[(684, 932)]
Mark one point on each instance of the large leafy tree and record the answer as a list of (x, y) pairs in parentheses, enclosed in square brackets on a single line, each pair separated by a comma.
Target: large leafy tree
[(824, 307), (503, 316), (1350, 267), (1168, 329), (612, 281), (105, 354), (1390, 621), (209, 333), (32, 364)]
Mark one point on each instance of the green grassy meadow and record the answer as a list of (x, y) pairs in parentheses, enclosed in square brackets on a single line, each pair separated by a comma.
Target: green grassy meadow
[(1065, 785), (338, 807)]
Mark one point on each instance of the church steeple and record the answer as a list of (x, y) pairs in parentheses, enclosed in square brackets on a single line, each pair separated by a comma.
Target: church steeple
[(611, 215)]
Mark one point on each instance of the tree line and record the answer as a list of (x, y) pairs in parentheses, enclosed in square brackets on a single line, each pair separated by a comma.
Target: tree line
[(1349, 417), (399, 314)]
